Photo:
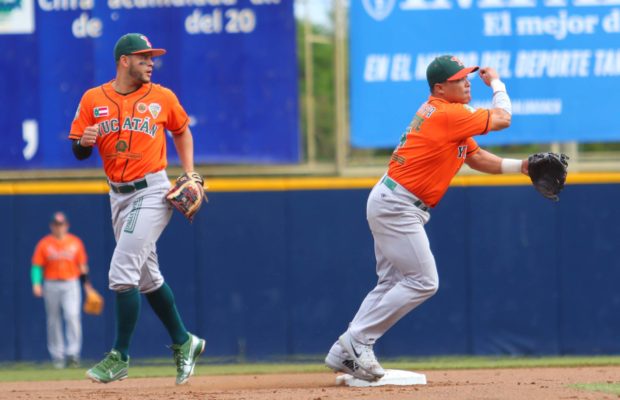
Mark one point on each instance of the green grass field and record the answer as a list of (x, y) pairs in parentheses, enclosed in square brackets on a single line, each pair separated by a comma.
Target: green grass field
[(612, 388), (158, 367)]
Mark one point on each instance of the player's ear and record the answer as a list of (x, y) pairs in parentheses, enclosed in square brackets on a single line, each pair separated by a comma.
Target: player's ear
[(438, 89), (124, 61)]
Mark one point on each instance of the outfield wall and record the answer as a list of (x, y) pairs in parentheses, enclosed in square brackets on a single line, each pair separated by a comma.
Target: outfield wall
[(278, 267)]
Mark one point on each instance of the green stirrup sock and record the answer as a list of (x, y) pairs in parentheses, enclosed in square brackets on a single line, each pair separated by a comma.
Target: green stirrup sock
[(162, 302), (127, 312)]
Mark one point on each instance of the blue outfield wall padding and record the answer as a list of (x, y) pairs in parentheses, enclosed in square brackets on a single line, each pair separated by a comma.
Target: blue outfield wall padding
[(267, 274), (9, 295), (244, 278), (514, 279), (589, 241), (331, 265)]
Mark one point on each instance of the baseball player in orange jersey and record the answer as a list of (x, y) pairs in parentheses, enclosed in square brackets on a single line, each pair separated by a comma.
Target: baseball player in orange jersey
[(126, 120), (59, 263), (434, 147)]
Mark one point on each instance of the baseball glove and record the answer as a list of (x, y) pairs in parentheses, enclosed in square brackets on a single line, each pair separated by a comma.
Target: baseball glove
[(187, 194), (548, 173), (93, 304)]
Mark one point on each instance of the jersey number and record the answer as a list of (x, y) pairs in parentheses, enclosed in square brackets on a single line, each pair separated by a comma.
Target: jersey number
[(415, 124)]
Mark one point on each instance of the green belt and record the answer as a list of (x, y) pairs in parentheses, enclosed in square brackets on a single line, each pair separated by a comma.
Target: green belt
[(128, 188), (391, 184)]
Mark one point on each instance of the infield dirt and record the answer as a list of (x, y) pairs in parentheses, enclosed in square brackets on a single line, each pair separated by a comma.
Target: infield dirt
[(486, 384)]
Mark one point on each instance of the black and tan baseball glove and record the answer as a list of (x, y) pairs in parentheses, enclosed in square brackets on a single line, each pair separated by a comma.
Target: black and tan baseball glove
[(187, 194), (548, 173)]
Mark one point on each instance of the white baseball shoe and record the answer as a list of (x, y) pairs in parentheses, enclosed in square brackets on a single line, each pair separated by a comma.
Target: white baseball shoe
[(362, 354), (340, 361)]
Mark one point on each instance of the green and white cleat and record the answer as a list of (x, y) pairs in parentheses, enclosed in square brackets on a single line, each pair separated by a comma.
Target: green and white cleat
[(185, 356), (111, 368)]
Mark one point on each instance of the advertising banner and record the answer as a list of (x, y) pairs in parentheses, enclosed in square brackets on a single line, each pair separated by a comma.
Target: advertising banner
[(560, 60), (232, 64)]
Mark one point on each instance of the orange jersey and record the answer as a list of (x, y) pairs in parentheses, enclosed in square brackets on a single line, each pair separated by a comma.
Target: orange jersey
[(435, 146), (132, 137), (60, 259)]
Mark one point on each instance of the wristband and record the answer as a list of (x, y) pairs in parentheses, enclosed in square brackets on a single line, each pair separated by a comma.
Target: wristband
[(498, 86), (510, 165), (500, 96), (83, 278), (36, 274), (80, 151)]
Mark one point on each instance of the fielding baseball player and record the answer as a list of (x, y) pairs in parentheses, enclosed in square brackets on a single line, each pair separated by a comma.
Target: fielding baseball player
[(59, 263), (437, 142), (126, 120)]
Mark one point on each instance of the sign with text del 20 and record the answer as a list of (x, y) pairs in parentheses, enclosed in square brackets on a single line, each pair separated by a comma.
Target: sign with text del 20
[(559, 59), (232, 64)]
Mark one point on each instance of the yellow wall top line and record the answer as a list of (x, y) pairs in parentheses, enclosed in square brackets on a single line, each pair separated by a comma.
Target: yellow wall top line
[(289, 183)]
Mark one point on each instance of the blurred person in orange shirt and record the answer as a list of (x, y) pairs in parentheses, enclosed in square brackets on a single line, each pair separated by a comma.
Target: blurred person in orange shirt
[(59, 263)]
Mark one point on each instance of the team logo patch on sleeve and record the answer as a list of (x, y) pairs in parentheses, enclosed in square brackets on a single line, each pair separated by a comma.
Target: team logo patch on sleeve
[(101, 111), (469, 108)]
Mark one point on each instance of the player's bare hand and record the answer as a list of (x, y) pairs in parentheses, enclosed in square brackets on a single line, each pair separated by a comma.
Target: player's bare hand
[(524, 167), (37, 290), (89, 137), (488, 74)]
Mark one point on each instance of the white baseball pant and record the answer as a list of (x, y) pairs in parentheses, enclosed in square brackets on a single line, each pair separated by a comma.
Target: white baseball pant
[(138, 219), (63, 300), (405, 264)]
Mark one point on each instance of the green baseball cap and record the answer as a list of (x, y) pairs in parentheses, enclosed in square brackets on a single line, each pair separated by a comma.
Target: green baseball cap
[(59, 218), (447, 68), (135, 43)]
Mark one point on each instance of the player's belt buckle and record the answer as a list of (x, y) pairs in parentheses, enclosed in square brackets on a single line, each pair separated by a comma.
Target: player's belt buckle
[(391, 184), (129, 188), (420, 205)]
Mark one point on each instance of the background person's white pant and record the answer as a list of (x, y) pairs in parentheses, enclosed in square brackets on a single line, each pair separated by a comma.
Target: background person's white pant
[(405, 264), (63, 301)]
